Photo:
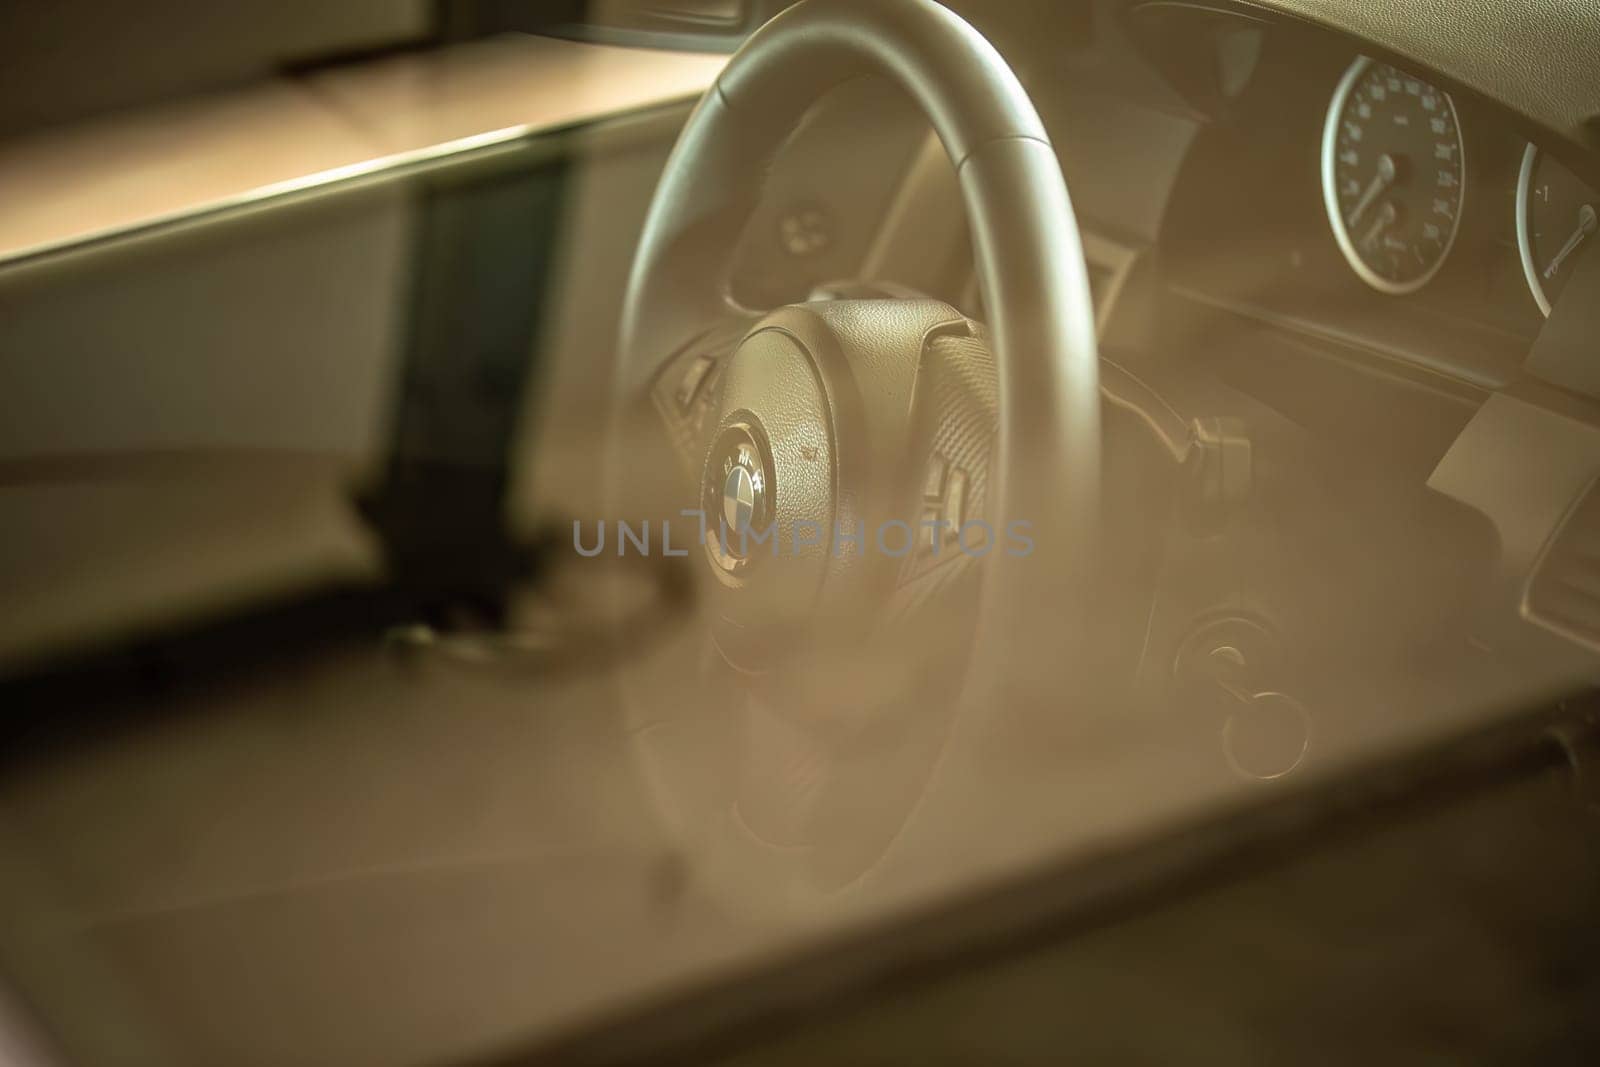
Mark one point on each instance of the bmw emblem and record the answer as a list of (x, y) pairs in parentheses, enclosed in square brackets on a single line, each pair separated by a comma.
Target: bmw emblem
[(737, 496)]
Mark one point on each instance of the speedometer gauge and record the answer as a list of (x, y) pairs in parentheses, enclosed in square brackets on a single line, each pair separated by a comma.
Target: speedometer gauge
[(1556, 223), (1393, 175)]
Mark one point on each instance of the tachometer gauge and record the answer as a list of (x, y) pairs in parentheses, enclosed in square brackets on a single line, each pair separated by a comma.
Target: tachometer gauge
[(1393, 175), (1555, 224)]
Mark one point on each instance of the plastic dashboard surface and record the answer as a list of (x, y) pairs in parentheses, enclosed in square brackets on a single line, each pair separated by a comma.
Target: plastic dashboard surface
[(1534, 56)]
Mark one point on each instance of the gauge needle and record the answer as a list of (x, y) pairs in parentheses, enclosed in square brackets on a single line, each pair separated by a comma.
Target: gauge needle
[(1379, 224), (1380, 181), (1586, 225)]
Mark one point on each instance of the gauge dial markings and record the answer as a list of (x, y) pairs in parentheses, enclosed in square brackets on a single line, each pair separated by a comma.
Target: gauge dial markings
[(1393, 175)]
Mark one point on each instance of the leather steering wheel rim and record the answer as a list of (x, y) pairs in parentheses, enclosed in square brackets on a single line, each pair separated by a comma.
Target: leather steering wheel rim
[(1030, 268)]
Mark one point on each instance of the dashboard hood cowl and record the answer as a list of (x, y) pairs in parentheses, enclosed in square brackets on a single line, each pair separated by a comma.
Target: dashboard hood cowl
[(1535, 57)]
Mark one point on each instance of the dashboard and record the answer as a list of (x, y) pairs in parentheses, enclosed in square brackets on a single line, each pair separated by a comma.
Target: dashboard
[(1402, 263), (1287, 171)]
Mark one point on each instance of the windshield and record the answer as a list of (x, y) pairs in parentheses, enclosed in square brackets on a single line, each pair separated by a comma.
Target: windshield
[(643, 531)]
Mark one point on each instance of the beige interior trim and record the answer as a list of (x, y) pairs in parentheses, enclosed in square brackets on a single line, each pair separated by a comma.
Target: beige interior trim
[(135, 171)]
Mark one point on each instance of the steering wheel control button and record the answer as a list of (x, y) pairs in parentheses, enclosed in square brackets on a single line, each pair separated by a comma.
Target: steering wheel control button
[(944, 511), (805, 231), (694, 377)]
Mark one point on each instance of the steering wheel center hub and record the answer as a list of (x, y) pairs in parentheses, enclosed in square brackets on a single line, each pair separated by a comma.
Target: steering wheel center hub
[(767, 492), (811, 491)]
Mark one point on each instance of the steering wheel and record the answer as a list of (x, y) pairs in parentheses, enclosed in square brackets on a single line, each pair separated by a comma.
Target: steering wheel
[(932, 484)]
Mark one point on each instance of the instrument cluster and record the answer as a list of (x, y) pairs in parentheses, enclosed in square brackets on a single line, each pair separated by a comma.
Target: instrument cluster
[(1395, 187)]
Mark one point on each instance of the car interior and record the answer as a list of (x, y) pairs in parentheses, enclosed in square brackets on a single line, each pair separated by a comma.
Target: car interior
[(1169, 433)]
